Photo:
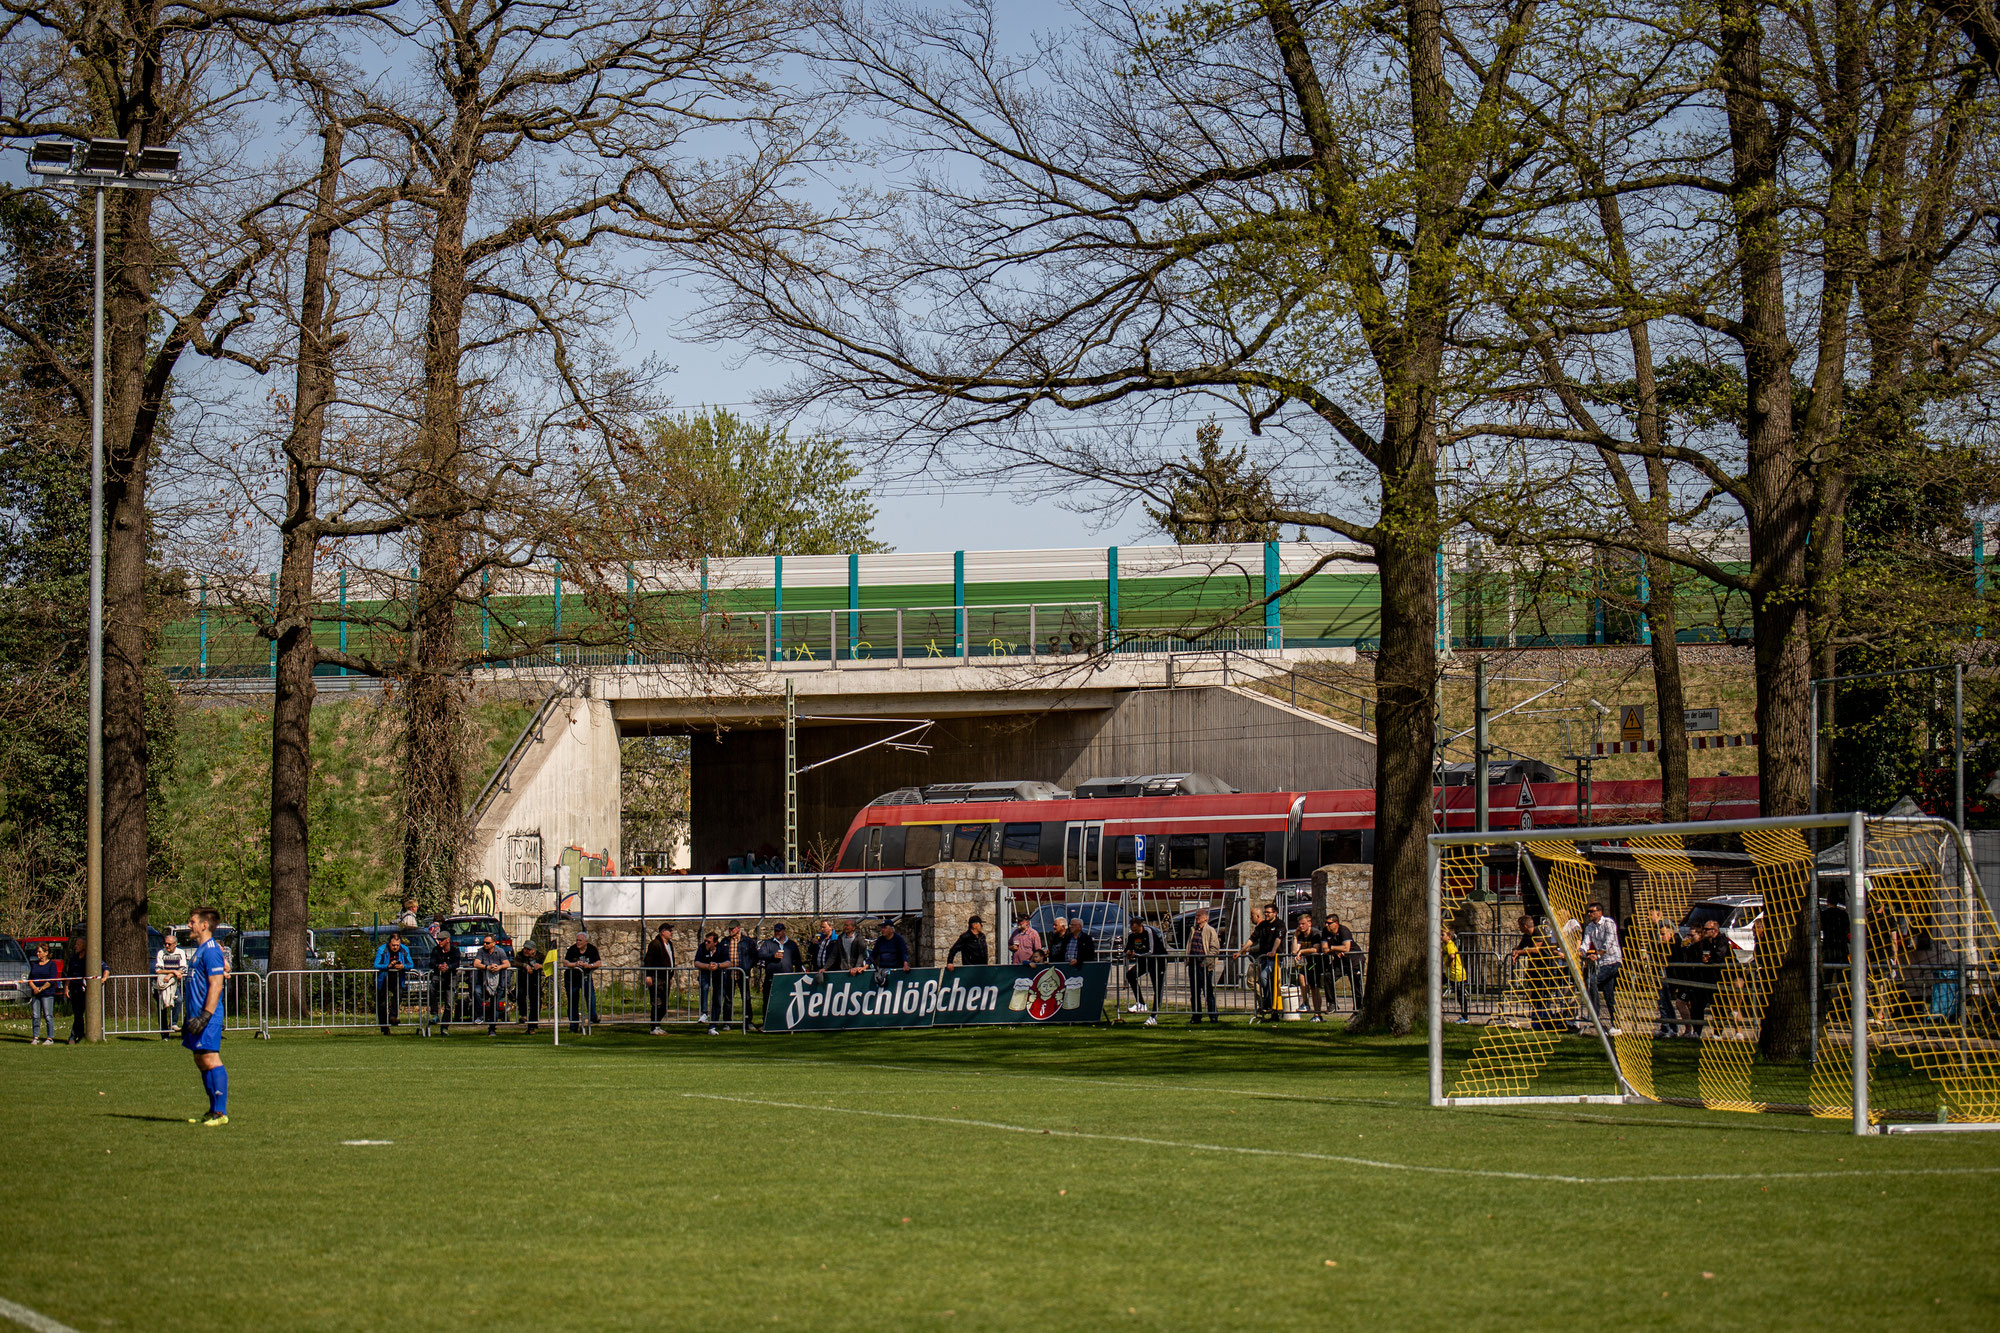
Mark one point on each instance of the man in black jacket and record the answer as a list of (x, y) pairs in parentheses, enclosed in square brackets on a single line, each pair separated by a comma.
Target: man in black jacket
[(970, 947), (1074, 945), (1263, 946), (659, 976), (776, 956), (444, 972)]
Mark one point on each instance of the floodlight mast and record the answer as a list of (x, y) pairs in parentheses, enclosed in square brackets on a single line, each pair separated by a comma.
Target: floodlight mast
[(105, 165)]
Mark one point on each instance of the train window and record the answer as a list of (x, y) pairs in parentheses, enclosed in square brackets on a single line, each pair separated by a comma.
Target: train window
[(1122, 860), (971, 842), (1187, 856), (1339, 849), (1021, 845), (922, 844), (1240, 847)]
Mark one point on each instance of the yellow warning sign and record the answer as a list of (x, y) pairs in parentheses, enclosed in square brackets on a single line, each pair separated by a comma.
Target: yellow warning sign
[(1632, 722)]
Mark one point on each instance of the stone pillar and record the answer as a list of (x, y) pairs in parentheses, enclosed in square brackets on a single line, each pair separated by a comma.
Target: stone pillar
[(954, 893), (1347, 891), (1257, 882)]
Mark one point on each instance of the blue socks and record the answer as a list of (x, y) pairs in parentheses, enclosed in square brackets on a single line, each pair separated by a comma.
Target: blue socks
[(216, 1081)]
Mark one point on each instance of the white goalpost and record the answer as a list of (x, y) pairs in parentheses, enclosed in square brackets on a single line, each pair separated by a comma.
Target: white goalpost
[(1835, 966)]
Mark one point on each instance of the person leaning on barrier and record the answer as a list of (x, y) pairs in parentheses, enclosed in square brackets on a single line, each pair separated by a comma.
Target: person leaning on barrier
[(736, 960), (855, 943), (1341, 962), (659, 975), (1204, 948), (1138, 958), (1451, 964), (392, 961), (1023, 944), (1602, 958), (1056, 942), (891, 953), (1536, 973), (820, 947), (170, 966), (707, 958), (970, 947), (580, 964), (78, 986), (1309, 955), (443, 968), (493, 965), (777, 956), (529, 959)]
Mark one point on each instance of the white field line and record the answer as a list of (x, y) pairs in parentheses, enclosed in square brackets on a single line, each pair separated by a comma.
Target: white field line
[(27, 1318), (1296, 1155)]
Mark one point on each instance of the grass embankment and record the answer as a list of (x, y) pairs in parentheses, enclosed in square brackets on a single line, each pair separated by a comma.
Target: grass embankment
[(1159, 1178)]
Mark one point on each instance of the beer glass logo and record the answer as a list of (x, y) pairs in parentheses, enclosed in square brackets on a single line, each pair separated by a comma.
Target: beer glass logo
[(1046, 994)]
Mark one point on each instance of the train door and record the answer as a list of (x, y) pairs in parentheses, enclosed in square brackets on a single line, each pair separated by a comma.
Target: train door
[(1083, 853), (871, 851)]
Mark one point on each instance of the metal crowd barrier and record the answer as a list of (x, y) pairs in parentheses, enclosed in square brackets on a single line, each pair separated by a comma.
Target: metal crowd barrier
[(619, 996), (1239, 989), (132, 1007)]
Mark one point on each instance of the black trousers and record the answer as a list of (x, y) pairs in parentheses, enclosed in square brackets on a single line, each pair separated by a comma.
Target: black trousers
[(723, 999), (388, 998), (1201, 982), (77, 1005), (530, 1001), (441, 997), (662, 989)]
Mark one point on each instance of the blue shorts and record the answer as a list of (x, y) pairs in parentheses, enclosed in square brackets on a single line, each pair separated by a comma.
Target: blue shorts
[(209, 1038)]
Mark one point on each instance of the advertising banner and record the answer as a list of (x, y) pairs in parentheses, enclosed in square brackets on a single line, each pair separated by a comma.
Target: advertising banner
[(927, 997)]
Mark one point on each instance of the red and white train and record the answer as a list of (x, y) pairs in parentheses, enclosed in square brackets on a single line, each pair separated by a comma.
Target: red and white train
[(1085, 841)]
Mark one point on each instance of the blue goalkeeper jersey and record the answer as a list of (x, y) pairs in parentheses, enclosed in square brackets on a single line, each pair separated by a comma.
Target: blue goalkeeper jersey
[(207, 971)]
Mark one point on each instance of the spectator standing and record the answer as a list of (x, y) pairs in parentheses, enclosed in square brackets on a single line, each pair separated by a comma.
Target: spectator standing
[(1309, 955), (44, 979), (659, 974), (1663, 945), (707, 956), (493, 965), (1342, 960), (1707, 956), (580, 964), (1142, 952), (443, 968), (777, 956), (1023, 944), (408, 920), (738, 961), (820, 949), (1078, 946), (1535, 973), (970, 946), (529, 960), (856, 946), (392, 963), (1262, 946), (1602, 957), (891, 953), (1056, 943), (1453, 967), (73, 969), (1204, 947), (170, 965)]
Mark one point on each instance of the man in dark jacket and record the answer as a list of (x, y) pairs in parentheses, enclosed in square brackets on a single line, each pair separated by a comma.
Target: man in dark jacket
[(736, 959), (1074, 945), (776, 956), (659, 975), (892, 953), (444, 973), (969, 947), (1263, 947), (1145, 956)]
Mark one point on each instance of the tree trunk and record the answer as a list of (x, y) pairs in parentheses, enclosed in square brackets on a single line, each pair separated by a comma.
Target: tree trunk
[(294, 690), (1668, 694), (129, 422)]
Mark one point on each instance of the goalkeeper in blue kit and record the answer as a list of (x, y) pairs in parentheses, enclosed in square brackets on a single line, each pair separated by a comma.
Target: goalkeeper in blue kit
[(201, 1031)]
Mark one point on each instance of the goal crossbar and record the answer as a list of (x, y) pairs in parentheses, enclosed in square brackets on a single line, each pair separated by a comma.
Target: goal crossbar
[(1980, 1054)]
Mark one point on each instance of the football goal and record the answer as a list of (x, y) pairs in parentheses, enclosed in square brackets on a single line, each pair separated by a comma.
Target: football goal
[(1838, 966)]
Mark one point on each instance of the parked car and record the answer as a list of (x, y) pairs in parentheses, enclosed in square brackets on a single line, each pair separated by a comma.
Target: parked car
[(553, 925), (1736, 913), (1105, 923), (13, 967), (467, 931)]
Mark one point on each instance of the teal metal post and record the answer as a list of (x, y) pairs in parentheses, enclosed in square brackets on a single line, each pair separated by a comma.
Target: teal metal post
[(343, 617), (557, 630), (485, 612), (853, 602), (777, 608), (631, 619), (1979, 572), (1597, 606), (1274, 629), (201, 667), (1645, 600), (704, 586), (274, 626), (1111, 595), (958, 600), (1443, 605)]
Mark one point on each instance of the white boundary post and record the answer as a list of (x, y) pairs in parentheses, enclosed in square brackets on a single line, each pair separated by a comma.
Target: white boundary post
[(1857, 961), (1434, 967)]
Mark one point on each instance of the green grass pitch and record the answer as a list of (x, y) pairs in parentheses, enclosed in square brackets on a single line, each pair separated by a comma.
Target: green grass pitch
[(999, 1179)]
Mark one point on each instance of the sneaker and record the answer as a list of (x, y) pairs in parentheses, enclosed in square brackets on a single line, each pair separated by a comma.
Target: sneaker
[(1318, 1019), (1151, 1022), (659, 1032), (209, 1120), (1135, 1008), (701, 1018), (715, 1032), (1616, 1032), (492, 1031)]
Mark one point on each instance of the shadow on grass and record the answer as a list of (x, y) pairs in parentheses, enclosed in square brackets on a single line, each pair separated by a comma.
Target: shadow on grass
[(155, 1119)]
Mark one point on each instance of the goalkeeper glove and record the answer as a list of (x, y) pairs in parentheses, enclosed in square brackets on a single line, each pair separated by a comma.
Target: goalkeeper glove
[(193, 1026)]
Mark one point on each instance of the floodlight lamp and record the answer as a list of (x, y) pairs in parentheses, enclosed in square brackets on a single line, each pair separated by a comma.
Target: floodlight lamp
[(104, 157), (51, 155), (1602, 711), (158, 163)]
